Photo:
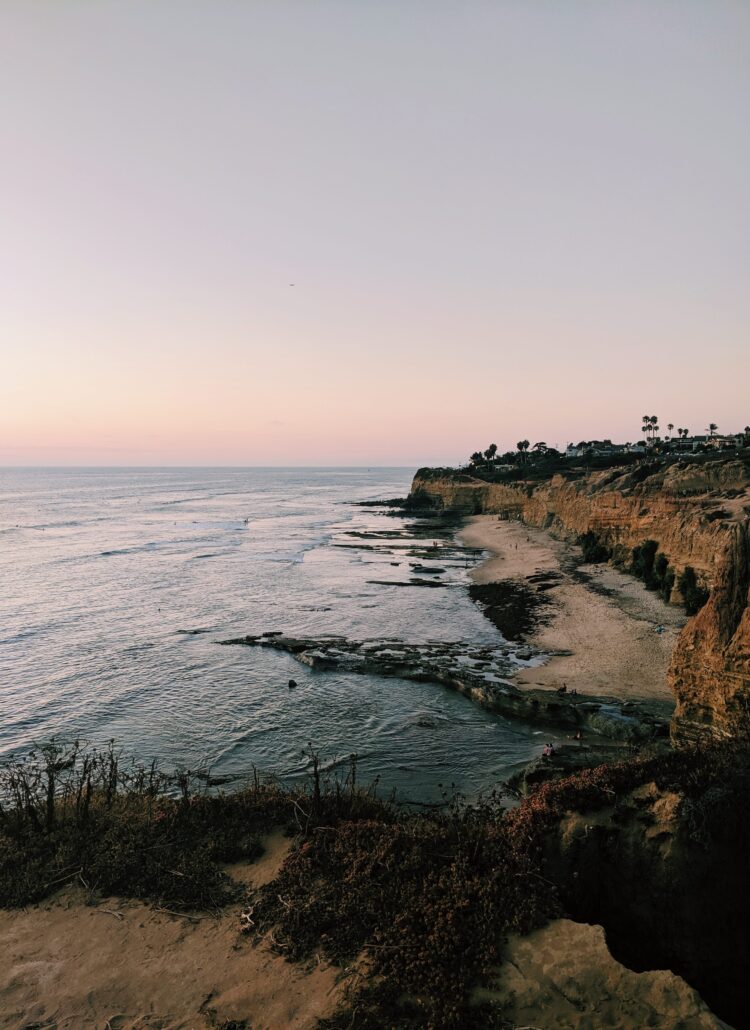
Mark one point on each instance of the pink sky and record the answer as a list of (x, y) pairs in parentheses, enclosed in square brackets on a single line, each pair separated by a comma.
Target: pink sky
[(501, 221)]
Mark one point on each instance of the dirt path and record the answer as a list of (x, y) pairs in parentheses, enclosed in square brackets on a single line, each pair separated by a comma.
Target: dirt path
[(606, 619), (126, 966)]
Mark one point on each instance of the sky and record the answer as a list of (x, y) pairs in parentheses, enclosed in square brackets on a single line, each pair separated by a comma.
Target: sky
[(341, 232)]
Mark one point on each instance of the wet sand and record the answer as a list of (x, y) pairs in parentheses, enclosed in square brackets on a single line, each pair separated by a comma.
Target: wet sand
[(606, 619)]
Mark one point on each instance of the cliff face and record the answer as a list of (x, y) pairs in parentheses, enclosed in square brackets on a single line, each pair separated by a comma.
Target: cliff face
[(710, 670), (700, 517), (665, 873)]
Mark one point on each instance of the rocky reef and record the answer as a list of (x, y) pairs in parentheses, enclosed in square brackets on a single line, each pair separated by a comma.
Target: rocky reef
[(480, 673), (699, 516)]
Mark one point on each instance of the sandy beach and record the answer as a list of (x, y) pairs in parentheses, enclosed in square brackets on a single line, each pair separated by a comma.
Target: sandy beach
[(606, 619)]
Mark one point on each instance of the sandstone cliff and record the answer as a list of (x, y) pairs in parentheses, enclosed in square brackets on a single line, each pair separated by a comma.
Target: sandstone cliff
[(564, 976), (699, 514), (665, 872)]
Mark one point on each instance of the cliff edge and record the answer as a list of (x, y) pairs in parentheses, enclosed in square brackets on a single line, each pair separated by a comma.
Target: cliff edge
[(697, 515)]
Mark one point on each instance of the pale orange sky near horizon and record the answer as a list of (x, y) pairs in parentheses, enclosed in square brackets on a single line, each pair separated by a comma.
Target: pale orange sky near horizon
[(501, 220)]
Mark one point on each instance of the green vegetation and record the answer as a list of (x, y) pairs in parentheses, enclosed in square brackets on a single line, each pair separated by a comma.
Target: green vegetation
[(694, 595), (538, 461), (650, 426), (653, 568), (663, 577), (84, 815), (594, 551), (656, 572), (642, 564), (428, 898), (425, 899), (522, 446)]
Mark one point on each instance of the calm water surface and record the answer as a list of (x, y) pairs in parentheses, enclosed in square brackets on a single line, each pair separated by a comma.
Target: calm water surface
[(103, 571)]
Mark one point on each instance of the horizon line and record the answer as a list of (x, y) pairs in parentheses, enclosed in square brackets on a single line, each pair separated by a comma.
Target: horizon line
[(362, 466)]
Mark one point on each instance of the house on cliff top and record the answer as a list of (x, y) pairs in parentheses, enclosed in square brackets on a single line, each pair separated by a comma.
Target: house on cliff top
[(595, 449)]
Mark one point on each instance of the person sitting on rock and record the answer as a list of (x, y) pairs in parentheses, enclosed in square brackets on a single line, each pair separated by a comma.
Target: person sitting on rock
[(562, 690)]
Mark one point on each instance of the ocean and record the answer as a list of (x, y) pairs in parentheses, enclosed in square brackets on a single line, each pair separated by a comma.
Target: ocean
[(118, 584)]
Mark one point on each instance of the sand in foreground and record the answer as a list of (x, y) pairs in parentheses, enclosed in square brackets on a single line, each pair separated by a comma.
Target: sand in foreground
[(124, 965), (615, 648)]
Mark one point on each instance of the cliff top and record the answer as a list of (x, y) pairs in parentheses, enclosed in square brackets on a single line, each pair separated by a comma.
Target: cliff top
[(721, 485)]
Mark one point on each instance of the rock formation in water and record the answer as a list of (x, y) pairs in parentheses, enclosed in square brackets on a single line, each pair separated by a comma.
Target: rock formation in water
[(698, 514), (479, 673)]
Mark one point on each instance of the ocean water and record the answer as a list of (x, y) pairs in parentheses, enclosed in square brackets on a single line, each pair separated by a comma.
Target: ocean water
[(107, 573)]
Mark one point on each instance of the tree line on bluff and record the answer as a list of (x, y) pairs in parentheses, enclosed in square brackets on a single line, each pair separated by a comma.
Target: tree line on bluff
[(654, 443)]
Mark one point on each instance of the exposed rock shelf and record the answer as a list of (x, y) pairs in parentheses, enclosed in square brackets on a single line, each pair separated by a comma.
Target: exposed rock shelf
[(480, 673)]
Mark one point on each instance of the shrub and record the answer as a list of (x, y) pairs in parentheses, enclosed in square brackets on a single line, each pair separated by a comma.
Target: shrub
[(694, 595), (594, 551), (661, 564), (77, 812), (642, 564), (427, 898), (667, 584), (662, 577), (653, 568)]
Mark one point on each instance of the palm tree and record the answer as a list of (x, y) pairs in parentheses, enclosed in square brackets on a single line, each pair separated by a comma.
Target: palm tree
[(523, 446), (491, 452), (670, 427), (646, 424), (712, 427), (476, 458)]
